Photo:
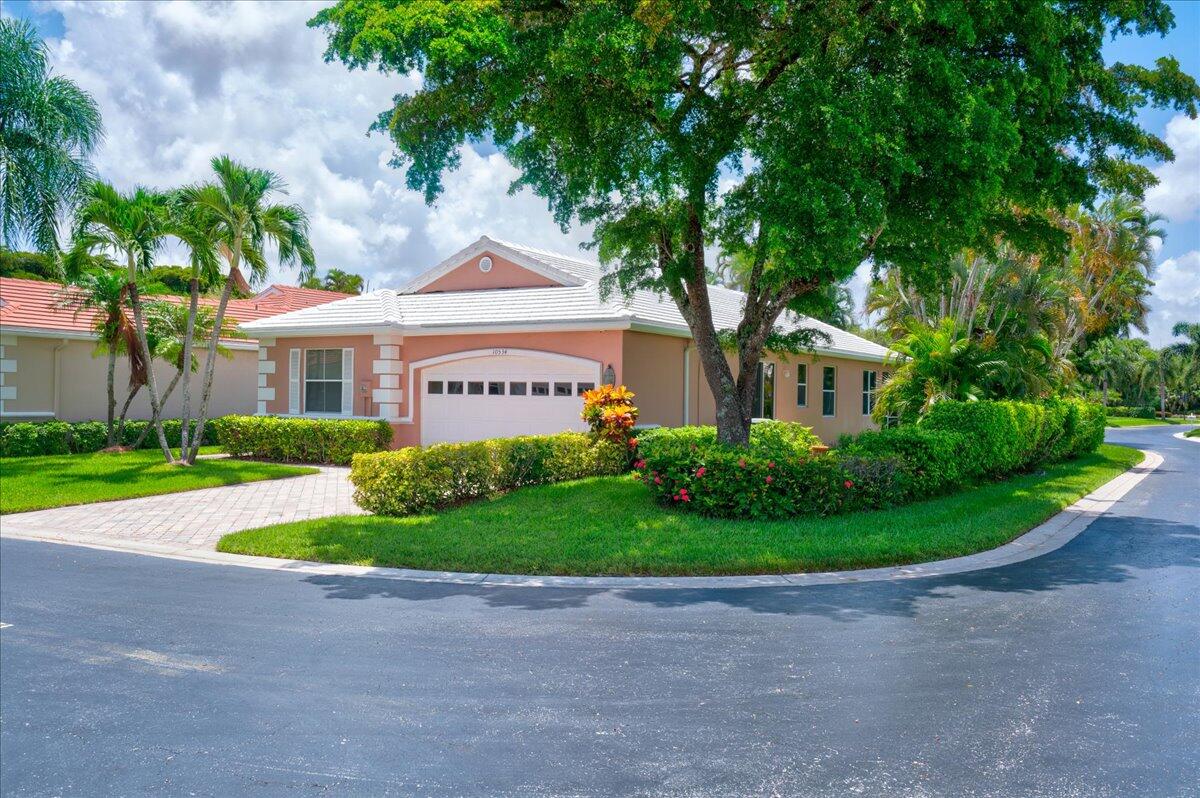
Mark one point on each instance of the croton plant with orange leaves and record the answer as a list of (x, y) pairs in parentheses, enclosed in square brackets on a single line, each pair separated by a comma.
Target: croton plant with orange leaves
[(609, 411)]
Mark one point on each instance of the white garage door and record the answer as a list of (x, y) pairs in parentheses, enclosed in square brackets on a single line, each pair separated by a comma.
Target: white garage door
[(501, 395)]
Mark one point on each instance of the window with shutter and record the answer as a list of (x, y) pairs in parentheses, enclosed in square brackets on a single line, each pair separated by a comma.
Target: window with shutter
[(294, 382), (347, 382)]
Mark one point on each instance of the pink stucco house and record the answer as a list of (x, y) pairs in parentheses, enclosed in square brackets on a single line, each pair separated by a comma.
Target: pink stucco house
[(500, 340)]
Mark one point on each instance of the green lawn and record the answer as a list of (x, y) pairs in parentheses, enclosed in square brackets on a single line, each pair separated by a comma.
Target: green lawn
[(1193, 433), (1124, 421), (608, 525), (35, 483)]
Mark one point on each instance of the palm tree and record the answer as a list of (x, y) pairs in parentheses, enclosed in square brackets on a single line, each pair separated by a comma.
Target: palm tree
[(1152, 370), (103, 292), (188, 224), (48, 128), (237, 215), (133, 226), (168, 326)]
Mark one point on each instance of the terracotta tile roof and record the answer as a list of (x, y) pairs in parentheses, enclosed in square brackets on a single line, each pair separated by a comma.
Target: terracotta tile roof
[(33, 304)]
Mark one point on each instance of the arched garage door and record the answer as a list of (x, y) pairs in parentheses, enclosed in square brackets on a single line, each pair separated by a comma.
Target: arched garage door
[(501, 393)]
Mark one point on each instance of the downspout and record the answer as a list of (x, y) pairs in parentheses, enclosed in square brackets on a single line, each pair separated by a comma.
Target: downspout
[(687, 383), (56, 379)]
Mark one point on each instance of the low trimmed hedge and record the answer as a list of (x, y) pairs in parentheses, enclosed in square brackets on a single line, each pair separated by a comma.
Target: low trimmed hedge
[(1124, 411), (421, 478), (956, 444), (40, 438), (301, 440), (781, 437)]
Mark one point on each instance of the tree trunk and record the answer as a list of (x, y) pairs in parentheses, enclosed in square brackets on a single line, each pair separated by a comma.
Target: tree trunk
[(120, 436), (166, 396), (155, 407), (1104, 384), (210, 362), (112, 394), (186, 414)]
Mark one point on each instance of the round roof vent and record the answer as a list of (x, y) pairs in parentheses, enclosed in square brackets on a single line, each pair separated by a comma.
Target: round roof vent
[(485, 264)]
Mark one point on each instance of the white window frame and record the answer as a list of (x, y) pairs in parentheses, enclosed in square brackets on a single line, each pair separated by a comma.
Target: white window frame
[(801, 383), (830, 391), (341, 383), (869, 391)]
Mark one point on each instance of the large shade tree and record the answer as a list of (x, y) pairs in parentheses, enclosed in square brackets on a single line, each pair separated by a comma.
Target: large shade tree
[(48, 129), (805, 136)]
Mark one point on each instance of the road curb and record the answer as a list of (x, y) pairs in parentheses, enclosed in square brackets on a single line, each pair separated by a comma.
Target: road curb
[(1183, 437), (1042, 539)]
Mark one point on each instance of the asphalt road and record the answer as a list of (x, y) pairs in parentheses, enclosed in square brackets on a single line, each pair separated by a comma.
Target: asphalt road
[(1074, 674)]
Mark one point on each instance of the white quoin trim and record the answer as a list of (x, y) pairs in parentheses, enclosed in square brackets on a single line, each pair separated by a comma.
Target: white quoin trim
[(293, 381), (268, 366), (262, 408), (389, 380), (494, 352), (388, 395), (389, 352), (262, 351), (266, 394), (347, 382), (387, 366)]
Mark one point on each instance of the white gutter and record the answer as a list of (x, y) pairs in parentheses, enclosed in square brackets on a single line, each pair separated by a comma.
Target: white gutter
[(687, 384), (56, 378)]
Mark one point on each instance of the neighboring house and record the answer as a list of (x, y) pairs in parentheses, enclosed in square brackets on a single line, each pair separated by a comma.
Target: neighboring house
[(501, 339), (48, 366)]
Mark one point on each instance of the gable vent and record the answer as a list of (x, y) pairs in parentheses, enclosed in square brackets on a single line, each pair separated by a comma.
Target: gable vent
[(485, 264)]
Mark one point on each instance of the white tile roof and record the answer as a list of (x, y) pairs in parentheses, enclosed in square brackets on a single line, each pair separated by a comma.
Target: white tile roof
[(573, 306)]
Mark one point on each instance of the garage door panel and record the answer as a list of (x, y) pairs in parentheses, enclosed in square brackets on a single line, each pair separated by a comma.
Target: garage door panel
[(465, 417)]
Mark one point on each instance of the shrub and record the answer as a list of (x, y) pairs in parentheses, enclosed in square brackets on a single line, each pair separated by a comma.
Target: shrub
[(1146, 411), (610, 412), (422, 478), (305, 440), (778, 477), (781, 437), (734, 482), (28, 439), (88, 436), (930, 460)]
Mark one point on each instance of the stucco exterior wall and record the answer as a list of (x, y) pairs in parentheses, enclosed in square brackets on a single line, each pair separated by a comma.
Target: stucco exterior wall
[(504, 274), (276, 381), (654, 367), (51, 377), (654, 371)]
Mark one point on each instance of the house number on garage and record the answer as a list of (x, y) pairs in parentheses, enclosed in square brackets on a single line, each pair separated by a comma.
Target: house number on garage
[(499, 351)]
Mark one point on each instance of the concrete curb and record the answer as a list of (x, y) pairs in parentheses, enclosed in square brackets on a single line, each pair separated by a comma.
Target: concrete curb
[(1183, 437), (1047, 537)]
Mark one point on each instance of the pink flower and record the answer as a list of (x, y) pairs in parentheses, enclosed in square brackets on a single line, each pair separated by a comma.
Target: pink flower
[(771, 464), (848, 484), (686, 498), (632, 443), (658, 480), (640, 464), (770, 479), (701, 471), (741, 462)]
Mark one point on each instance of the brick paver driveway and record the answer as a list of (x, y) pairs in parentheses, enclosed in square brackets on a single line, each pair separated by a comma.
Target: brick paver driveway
[(196, 518)]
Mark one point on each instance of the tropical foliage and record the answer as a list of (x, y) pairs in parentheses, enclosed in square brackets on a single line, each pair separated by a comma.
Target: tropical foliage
[(336, 280), (1015, 325), (48, 128)]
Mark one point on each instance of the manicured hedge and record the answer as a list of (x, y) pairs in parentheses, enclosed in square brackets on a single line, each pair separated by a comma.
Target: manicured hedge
[(955, 444), (421, 478), (782, 437), (1123, 411), (31, 439), (301, 440)]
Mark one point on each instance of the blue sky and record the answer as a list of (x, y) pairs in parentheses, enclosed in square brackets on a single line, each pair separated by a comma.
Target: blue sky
[(180, 82)]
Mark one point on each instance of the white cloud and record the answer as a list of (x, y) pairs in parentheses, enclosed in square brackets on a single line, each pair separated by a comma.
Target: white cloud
[(178, 83), (1177, 195), (1176, 295)]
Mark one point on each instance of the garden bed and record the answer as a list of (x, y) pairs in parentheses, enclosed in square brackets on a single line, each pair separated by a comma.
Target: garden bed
[(611, 526)]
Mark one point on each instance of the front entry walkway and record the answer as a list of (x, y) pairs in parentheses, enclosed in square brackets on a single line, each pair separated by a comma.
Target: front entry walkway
[(196, 518)]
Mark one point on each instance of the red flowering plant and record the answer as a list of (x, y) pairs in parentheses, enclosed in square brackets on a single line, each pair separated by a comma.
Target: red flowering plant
[(610, 412)]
